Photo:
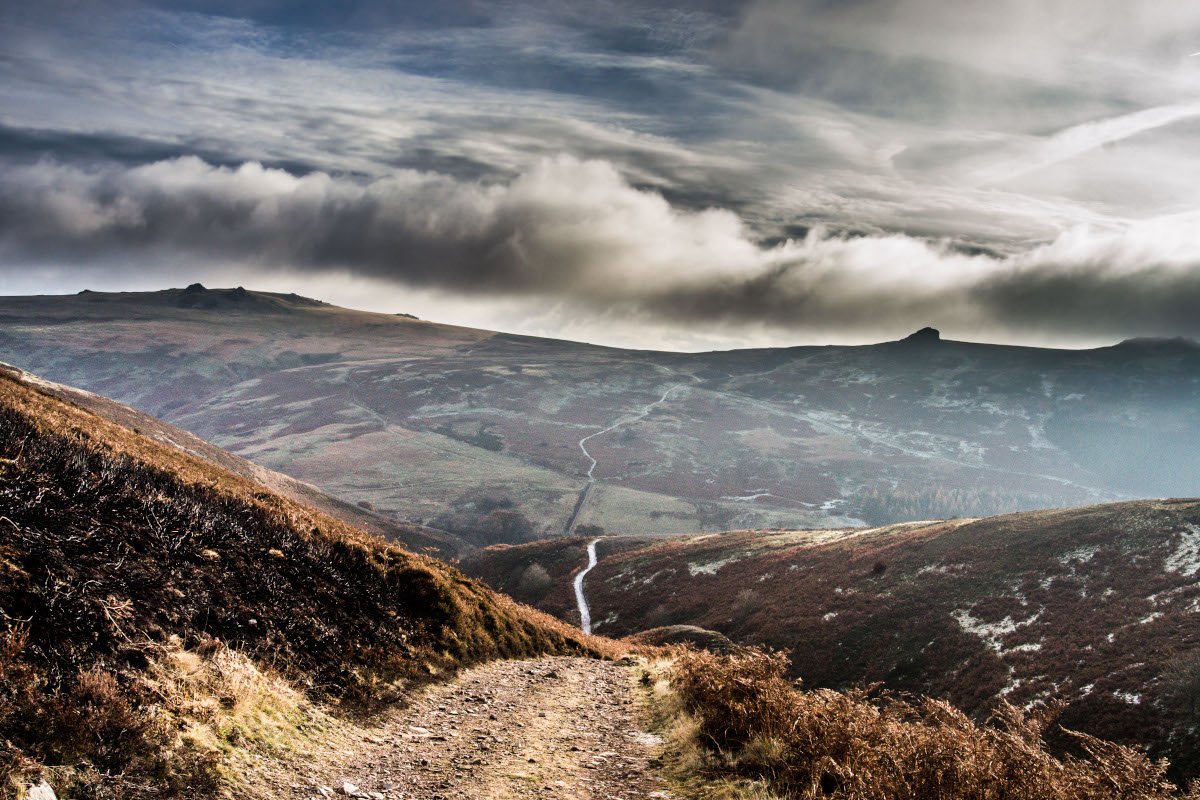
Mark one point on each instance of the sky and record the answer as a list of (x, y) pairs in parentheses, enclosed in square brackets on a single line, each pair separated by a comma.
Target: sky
[(688, 175)]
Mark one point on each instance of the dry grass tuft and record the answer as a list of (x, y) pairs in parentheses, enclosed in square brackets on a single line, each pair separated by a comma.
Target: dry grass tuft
[(741, 725), (225, 711)]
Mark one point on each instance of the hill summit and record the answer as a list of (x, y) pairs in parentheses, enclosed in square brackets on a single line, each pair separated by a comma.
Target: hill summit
[(239, 299), (926, 335)]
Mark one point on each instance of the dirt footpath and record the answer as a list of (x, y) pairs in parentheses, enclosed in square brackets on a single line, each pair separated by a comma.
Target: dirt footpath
[(556, 727)]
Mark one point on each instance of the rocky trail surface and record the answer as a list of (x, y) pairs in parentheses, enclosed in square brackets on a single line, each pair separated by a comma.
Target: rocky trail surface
[(556, 727)]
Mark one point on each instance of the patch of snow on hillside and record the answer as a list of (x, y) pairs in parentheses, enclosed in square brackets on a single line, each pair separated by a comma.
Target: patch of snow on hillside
[(855, 376), (765, 576), (1013, 683), (940, 569), (301, 405), (1151, 618), (747, 498), (1037, 437), (992, 632), (840, 423), (1186, 558), (711, 567), (1128, 697), (1082, 554), (649, 579), (609, 619), (943, 401), (971, 450), (624, 575), (829, 616), (1159, 598)]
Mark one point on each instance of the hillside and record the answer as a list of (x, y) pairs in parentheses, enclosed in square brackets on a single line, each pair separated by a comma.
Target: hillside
[(169, 628), (499, 438), (1096, 606), (163, 620), (412, 537)]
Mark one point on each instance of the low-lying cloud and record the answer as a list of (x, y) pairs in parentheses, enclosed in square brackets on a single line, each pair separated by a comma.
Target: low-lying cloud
[(576, 234)]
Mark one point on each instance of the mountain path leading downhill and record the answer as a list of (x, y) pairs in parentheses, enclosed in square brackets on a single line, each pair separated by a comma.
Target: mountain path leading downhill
[(585, 612), (556, 727)]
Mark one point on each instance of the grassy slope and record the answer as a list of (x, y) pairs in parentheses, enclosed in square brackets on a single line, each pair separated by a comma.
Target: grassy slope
[(1097, 606), (117, 552)]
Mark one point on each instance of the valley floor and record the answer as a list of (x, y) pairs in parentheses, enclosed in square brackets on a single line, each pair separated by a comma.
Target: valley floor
[(555, 727)]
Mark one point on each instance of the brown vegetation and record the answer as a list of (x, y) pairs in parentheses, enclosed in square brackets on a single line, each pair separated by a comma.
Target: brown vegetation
[(749, 723), (117, 553), (1095, 606)]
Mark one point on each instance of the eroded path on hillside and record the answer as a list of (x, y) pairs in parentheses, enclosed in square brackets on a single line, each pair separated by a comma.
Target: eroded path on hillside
[(585, 612), (555, 727), (625, 420)]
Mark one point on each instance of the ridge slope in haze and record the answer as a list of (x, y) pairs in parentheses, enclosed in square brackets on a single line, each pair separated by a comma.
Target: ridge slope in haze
[(446, 426)]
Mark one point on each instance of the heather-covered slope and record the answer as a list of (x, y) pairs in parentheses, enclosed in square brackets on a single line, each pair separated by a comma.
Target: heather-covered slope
[(413, 537), (1098, 606), (127, 568)]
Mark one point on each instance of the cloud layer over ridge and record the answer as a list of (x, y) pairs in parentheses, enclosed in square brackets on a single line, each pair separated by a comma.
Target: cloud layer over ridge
[(691, 174)]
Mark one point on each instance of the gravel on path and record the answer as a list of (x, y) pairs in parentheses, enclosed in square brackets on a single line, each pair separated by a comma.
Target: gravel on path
[(555, 727)]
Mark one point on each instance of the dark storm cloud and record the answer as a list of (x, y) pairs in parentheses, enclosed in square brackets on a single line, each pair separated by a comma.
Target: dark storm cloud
[(566, 224), (1147, 302), (1098, 302)]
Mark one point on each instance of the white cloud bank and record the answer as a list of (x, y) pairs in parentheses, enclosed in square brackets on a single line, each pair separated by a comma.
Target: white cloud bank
[(570, 235)]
